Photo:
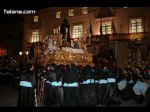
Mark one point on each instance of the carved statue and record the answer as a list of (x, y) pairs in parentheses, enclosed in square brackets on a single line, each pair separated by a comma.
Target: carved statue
[(65, 30)]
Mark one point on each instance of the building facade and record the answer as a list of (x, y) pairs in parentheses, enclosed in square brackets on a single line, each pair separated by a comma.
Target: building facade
[(120, 30)]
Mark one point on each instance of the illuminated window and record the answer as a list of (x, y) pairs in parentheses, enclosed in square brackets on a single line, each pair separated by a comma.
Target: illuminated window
[(77, 31), (35, 36), (35, 18), (58, 14), (85, 10), (136, 25), (71, 12), (106, 28)]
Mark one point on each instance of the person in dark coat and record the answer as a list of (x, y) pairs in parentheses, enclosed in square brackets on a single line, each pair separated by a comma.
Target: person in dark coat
[(71, 86), (26, 91), (87, 87)]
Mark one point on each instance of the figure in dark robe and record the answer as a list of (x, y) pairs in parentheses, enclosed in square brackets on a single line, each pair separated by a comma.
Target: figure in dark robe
[(31, 52), (131, 82), (140, 86), (40, 75), (53, 86), (147, 97), (87, 87), (56, 85), (26, 91), (101, 86), (65, 30), (71, 86), (111, 89), (122, 84), (47, 101)]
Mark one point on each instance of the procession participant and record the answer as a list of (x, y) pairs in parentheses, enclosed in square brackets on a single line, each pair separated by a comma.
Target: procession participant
[(110, 96), (40, 86), (54, 85), (47, 87), (130, 84), (144, 87), (127, 82), (26, 92), (87, 87), (57, 88), (147, 79), (147, 97), (122, 84), (71, 86), (146, 75), (37, 71), (101, 85), (140, 87)]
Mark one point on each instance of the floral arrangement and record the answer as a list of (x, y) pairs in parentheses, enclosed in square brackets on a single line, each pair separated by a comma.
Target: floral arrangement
[(72, 50)]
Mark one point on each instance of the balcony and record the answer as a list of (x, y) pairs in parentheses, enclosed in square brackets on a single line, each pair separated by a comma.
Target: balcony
[(119, 37)]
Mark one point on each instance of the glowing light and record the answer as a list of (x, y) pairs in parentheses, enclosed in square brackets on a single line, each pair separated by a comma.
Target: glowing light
[(35, 18), (3, 52), (27, 52), (20, 53)]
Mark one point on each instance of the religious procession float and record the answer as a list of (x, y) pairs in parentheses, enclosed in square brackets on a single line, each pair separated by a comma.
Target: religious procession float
[(59, 51)]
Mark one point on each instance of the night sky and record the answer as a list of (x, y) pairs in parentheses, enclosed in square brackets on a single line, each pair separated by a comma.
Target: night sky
[(18, 5)]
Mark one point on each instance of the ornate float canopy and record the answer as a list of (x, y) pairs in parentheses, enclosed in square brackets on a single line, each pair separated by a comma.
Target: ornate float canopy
[(58, 54)]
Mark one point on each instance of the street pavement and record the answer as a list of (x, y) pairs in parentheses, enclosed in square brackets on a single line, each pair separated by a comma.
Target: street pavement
[(9, 98)]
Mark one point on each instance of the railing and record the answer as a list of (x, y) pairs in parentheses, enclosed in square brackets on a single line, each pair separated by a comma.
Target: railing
[(123, 36)]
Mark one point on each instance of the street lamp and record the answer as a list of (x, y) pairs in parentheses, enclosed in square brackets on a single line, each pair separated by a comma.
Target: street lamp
[(27, 52), (20, 53)]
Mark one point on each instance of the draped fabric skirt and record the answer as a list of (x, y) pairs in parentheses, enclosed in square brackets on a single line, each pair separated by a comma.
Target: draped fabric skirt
[(147, 97), (57, 96), (130, 92), (26, 96), (88, 95), (101, 93), (71, 96), (47, 101)]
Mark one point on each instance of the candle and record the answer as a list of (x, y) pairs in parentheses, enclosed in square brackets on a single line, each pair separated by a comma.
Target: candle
[(59, 29), (66, 30), (54, 31)]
